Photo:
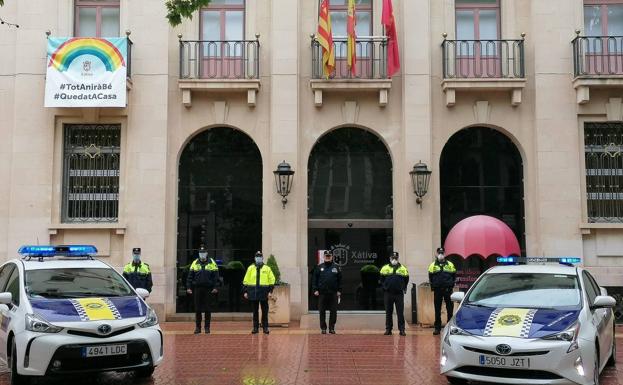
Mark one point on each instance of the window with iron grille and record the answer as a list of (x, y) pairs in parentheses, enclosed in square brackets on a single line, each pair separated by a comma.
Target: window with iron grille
[(603, 146), (91, 172)]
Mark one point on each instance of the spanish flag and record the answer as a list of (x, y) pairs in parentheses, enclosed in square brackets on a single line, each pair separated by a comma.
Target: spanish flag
[(325, 39), (351, 22)]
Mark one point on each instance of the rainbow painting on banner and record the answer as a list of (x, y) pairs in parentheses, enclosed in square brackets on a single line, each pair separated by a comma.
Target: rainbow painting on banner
[(86, 72)]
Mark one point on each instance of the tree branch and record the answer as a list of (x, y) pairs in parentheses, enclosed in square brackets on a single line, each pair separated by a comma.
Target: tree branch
[(181, 9)]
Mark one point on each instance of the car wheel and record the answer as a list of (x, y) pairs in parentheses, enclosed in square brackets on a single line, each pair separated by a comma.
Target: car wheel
[(14, 377), (144, 372), (612, 361), (456, 381)]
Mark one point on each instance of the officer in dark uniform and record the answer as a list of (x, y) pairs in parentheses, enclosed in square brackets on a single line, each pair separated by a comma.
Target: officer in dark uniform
[(137, 272), (394, 279), (441, 275), (327, 286), (202, 281)]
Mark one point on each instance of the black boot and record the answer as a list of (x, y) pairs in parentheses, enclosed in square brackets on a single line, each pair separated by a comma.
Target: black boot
[(403, 333), (266, 331), (255, 331), (197, 329), (388, 332)]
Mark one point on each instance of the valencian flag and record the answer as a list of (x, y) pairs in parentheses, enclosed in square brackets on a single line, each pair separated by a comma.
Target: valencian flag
[(351, 22), (325, 39), (393, 54)]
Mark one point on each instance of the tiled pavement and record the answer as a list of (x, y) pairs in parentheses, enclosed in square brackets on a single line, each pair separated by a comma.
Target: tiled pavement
[(231, 356)]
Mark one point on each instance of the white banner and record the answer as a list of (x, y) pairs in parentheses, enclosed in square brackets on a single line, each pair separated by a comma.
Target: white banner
[(86, 72)]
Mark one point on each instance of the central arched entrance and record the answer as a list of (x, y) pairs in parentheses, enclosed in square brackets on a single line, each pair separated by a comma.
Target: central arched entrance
[(350, 211), (220, 207), (481, 173)]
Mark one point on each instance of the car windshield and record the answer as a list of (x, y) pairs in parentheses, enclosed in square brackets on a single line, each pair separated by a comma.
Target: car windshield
[(75, 283), (525, 290)]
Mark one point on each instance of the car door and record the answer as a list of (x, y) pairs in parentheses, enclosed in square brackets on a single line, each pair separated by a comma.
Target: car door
[(597, 316), (606, 332), (5, 313)]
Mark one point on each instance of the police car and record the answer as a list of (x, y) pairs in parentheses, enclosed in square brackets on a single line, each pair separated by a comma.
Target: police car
[(532, 323), (63, 312)]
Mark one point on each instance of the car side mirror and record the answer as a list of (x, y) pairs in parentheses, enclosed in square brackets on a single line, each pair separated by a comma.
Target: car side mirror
[(602, 301), (6, 298), (142, 293), (457, 296)]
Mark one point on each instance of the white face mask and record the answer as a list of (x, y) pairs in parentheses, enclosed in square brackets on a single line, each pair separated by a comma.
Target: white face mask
[(393, 261), (203, 256), (259, 260), (441, 257)]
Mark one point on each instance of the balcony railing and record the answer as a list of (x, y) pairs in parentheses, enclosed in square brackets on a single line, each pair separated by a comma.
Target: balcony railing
[(371, 59), (129, 63), (483, 59), (597, 55), (219, 59)]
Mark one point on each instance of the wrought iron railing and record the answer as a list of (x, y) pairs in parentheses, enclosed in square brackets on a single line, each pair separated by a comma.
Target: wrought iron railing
[(91, 173), (597, 55), (492, 59), (219, 59), (129, 63), (370, 63), (603, 152)]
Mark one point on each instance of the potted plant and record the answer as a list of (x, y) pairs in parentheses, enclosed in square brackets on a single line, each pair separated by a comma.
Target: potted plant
[(370, 275), (279, 309)]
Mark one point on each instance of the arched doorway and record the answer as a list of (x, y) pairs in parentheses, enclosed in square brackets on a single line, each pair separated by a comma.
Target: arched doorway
[(482, 173), (219, 206), (350, 211)]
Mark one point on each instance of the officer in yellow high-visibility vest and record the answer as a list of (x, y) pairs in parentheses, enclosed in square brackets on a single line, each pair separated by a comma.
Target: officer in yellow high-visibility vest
[(259, 282), (394, 279), (441, 275), (137, 272), (202, 282)]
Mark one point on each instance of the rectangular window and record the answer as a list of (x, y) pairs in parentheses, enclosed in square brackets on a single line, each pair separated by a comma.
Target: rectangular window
[(603, 152), (363, 13), (96, 18), (477, 19), (223, 20), (91, 172)]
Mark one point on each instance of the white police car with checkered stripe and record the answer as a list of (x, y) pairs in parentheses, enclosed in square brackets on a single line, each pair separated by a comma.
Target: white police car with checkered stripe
[(532, 323), (63, 312)]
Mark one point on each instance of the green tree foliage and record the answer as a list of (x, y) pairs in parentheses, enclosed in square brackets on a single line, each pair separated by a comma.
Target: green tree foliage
[(180, 9), (370, 269), (235, 265), (272, 263)]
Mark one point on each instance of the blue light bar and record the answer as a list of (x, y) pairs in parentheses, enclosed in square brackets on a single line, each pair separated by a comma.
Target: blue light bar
[(570, 260), (508, 260), (52, 251)]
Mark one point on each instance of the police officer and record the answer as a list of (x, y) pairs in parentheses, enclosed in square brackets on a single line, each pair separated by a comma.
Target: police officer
[(327, 286), (259, 282), (138, 272), (441, 275), (394, 279), (202, 281)]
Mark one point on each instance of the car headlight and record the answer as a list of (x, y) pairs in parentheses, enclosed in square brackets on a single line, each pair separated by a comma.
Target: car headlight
[(39, 325), (150, 320), (454, 330), (569, 335), (457, 331)]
